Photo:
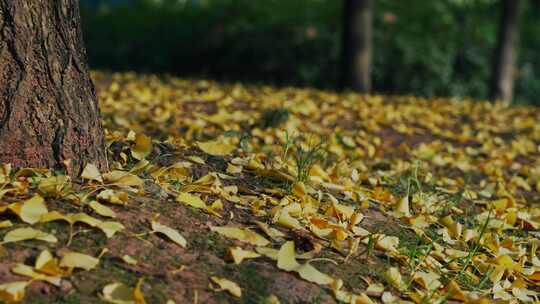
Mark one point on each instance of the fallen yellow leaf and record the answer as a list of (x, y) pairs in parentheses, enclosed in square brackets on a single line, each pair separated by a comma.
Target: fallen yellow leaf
[(273, 233), (113, 197), (23, 234), (123, 178), (102, 209), (5, 224), (129, 260), (91, 172), (402, 207), (393, 276), (286, 260), (108, 227), (172, 234), (191, 200), (53, 185), (427, 279), (78, 260), (143, 146), (47, 264), (238, 254), (13, 292), (118, 293), (387, 243), (32, 209), (286, 220), (228, 285), (241, 234), (28, 271), (216, 148), (137, 293)]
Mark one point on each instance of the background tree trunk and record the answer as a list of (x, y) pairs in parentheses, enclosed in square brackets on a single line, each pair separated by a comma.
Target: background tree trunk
[(49, 115), (502, 86), (357, 44)]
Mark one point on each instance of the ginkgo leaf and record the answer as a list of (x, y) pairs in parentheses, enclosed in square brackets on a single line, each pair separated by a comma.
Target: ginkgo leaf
[(241, 234), (118, 293), (113, 197), (343, 211), (102, 209), (286, 220), (393, 276), (143, 146), (389, 298), (44, 258), (286, 257), (216, 148), (387, 243), (5, 224), (286, 260), (271, 299), (238, 254), (216, 206), (108, 227), (268, 252), (47, 264), (91, 172), (196, 159), (228, 285), (402, 207), (191, 200), (427, 279), (455, 291), (138, 296), (28, 271), (524, 295), (13, 292), (78, 260), (23, 234), (172, 234), (232, 169), (273, 233), (32, 209), (454, 228), (129, 260), (310, 273), (53, 185), (55, 215), (507, 262), (123, 178), (375, 289), (348, 297)]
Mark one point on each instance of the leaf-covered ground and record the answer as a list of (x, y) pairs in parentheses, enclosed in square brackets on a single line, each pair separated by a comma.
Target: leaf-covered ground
[(224, 193)]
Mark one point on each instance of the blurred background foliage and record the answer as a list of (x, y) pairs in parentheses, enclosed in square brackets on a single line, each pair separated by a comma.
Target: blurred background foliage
[(426, 48)]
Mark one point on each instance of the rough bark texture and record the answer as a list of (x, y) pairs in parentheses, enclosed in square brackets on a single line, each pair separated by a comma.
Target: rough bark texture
[(357, 44), (49, 115), (502, 86)]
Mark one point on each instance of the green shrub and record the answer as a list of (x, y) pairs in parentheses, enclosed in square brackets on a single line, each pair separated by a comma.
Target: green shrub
[(427, 48)]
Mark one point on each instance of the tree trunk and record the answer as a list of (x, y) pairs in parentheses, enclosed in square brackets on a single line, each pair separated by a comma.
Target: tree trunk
[(502, 86), (49, 116), (357, 45)]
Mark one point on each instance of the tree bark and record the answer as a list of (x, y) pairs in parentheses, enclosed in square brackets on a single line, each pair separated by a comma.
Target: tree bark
[(502, 86), (49, 116), (357, 45)]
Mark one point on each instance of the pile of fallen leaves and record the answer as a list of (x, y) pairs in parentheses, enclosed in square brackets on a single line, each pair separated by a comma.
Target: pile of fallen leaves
[(223, 193)]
